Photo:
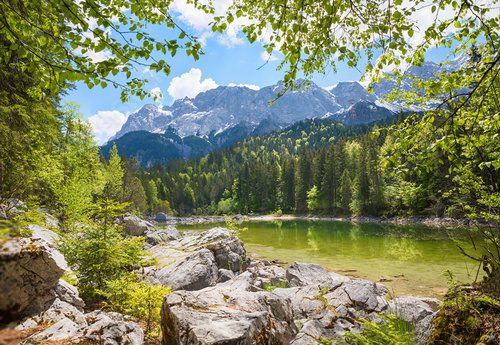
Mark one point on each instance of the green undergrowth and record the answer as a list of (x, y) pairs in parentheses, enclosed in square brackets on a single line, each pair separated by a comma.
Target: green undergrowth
[(269, 287), (390, 330), (467, 317), (143, 301)]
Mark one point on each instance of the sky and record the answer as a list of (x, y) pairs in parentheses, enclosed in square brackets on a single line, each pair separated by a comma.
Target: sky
[(228, 60)]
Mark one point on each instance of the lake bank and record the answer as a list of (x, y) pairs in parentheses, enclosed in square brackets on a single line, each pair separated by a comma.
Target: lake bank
[(435, 222)]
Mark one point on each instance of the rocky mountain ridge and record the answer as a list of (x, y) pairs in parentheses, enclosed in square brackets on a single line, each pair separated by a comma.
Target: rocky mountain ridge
[(216, 110)]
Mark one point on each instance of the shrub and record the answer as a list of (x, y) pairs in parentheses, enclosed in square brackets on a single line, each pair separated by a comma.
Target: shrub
[(136, 298), (97, 251)]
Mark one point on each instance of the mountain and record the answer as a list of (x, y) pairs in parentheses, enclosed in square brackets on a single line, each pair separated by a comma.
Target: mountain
[(216, 110), (222, 116), (160, 148)]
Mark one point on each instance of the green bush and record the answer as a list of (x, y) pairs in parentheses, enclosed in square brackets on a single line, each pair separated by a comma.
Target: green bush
[(129, 295)]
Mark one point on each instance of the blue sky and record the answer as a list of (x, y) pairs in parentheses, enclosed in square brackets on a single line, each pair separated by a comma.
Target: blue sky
[(229, 59)]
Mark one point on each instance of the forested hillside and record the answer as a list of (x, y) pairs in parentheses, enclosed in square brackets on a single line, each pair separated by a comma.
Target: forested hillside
[(315, 167)]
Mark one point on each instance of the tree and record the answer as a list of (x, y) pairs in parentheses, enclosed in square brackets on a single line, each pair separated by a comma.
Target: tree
[(94, 41), (313, 201), (97, 251), (151, 195), (113, 176), (345, 191), (310, 33), (73, 170), (133, 191), (29, 130)]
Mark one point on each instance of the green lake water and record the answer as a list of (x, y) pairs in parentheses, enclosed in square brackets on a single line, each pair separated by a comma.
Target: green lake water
[(408, 259)]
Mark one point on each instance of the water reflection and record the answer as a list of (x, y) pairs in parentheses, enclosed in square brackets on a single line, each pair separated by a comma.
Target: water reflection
[(412, 257)]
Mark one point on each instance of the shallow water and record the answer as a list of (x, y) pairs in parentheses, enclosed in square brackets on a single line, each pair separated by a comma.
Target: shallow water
[(410, 260)]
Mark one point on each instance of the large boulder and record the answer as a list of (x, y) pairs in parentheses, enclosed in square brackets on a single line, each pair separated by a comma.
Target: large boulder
[(228, 313), (54, 312), (192, 262), (302, 274), (96, 327), (325, 305), (135, 226), (162, 236), (161, 217), (417, 311), (227, 248), (360, 294), (30, 270), (193, 272)]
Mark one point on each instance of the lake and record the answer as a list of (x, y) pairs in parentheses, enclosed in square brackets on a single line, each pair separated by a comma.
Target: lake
[(409, 260)]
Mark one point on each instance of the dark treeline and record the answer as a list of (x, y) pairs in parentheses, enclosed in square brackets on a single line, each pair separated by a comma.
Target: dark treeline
[(315, 167)]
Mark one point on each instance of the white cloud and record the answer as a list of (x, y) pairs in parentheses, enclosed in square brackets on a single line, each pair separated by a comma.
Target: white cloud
[(106, 123), (196, 18), (269, 57), (250, 86), (156, 93), (190, 84), (200, 21)]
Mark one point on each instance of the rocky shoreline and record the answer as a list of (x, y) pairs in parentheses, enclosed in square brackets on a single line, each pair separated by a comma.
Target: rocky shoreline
[(220, 295), (435, 222)]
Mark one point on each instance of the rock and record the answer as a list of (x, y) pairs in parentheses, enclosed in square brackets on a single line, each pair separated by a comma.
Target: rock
[(229, 252), (361, 294), (264, 273), (192, 262), (109, 328), (306, 301), (311, 333), (61, 330), (69, 294), (162, 236), (161, 217), (11, 207), (194, 272), (225, 275), (54, 312), (300, 274), (30, 269), (418, 311), (135, 226), (43, 233), (227, 313)]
